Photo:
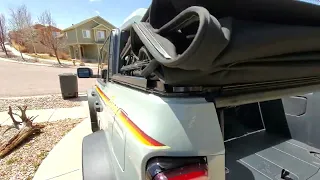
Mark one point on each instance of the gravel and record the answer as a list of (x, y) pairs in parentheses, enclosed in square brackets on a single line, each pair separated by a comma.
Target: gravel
[(39, 102), (24, 161)]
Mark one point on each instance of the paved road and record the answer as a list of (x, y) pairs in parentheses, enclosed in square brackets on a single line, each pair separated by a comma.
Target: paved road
[(27, 80)]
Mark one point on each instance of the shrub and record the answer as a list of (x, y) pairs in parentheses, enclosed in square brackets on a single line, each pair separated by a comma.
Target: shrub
[(18, 47), (63, 55)]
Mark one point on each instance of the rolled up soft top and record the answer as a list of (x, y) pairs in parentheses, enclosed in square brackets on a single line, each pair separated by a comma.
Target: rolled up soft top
[(243, 45)]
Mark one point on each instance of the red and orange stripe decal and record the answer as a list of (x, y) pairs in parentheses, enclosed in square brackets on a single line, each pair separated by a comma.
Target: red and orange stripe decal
[(132, 128)]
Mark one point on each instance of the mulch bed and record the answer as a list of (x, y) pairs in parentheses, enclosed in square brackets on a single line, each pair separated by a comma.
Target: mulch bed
[(24, 161)]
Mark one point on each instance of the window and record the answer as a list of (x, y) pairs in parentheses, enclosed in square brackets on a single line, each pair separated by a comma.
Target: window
[(55, 34), (100, 35), (86, 34)]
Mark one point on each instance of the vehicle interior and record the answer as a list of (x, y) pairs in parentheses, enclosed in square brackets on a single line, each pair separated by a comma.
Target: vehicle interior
[(264, 139)]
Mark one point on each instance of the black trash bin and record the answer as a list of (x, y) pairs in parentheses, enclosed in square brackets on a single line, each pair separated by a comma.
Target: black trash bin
[(68, 85)]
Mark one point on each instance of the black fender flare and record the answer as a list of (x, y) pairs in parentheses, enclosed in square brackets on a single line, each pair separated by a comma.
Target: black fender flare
[(96, 157), (92, 100)]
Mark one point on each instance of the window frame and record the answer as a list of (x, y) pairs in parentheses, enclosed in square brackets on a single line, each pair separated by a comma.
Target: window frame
[(102, 60), (86, 30), (112, 41), (103, 32)]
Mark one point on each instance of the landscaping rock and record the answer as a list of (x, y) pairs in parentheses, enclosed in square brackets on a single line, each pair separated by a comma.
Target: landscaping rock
[(23, 162), (39, 102)]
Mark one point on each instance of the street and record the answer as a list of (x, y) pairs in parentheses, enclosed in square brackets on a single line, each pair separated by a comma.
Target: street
[(27, 80)]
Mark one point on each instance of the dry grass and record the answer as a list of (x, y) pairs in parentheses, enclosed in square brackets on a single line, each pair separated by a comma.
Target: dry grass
[(65, 56), (24, 161), (19, 47)]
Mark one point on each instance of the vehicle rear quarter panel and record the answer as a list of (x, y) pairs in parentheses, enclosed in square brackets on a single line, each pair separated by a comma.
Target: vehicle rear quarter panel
[(187, 126)]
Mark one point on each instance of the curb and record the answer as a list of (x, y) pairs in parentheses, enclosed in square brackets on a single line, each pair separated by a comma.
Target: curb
[(40, 64), (19, 62), (48, 170)]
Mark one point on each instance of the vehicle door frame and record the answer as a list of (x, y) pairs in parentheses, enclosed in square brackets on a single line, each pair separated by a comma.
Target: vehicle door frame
[(112, 69)]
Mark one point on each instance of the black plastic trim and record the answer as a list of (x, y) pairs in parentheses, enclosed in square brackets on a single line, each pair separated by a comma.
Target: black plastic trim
[(96, 158), (92, 100), (138, 82)]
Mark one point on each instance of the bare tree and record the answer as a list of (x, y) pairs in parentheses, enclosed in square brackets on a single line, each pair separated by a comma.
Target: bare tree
[(21, 25), (3, 33), (48, 34), (30, 36), (20, 130)]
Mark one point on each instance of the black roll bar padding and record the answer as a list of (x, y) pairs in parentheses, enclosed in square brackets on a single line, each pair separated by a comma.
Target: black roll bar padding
[(200, 53), (152, 66)]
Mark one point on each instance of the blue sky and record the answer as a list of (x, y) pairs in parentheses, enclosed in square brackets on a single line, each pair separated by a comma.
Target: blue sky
[(67, 12)]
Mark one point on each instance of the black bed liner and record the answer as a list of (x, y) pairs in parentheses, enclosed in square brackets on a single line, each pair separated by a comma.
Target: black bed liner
[(263, 156), (265, 43)]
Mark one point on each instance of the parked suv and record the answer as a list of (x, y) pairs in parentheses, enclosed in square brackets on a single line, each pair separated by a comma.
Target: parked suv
[(179, 98)]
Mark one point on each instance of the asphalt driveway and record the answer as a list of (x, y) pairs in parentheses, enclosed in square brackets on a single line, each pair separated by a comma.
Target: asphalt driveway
[(27, 80)]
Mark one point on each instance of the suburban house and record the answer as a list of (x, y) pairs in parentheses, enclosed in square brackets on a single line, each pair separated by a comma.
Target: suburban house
[(86, 38), (55, 31), (29, 47)]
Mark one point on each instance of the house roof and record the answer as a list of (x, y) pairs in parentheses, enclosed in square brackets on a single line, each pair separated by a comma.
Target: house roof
[(61, 35), (101, 26), (88, 20), (40, 26)]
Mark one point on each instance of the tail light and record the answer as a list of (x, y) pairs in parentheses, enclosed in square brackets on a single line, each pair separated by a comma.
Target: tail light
[(194, 168)]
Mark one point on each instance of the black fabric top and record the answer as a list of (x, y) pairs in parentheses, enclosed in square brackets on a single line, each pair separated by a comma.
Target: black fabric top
[(293, 12), (231, 42)]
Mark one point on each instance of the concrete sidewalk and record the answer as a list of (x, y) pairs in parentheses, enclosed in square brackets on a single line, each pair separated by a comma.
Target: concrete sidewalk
[(46, 61), (48, 115), (64, 161)]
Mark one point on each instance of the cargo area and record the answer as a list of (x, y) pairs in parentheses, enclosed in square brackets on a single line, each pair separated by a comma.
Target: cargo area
[(262, 143)]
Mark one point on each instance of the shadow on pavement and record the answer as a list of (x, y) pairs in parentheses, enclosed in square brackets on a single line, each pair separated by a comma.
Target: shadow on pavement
[(78, 99)]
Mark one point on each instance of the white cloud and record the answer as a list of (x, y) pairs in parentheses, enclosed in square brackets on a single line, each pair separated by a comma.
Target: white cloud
[(94, 0), (97, 12)]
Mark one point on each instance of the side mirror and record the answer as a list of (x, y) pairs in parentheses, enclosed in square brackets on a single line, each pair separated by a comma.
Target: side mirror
[(84, 72)]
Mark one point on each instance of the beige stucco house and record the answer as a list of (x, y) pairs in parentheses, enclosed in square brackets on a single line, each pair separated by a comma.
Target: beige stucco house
[(85, 38)]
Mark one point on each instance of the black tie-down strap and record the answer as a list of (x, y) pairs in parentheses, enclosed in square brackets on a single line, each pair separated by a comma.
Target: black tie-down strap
[(190, 41)]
